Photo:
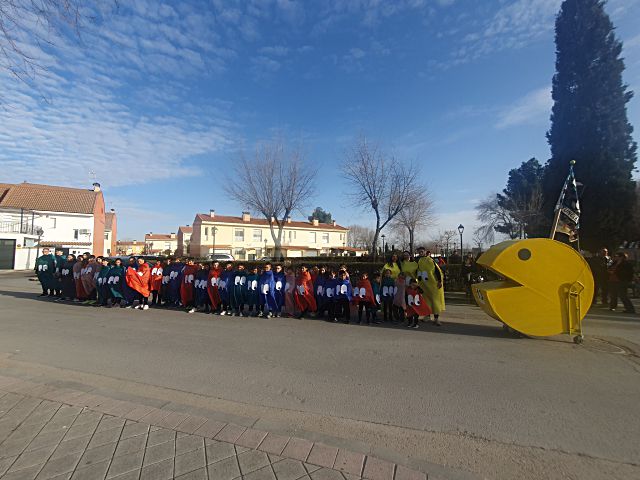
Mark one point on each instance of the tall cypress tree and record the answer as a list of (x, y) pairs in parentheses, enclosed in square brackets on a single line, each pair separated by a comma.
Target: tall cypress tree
[(589, 124)]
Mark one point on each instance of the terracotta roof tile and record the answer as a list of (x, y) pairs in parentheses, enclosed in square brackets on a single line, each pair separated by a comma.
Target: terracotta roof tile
[(263, 222), (48, 198), (185, 229), (159, 236)]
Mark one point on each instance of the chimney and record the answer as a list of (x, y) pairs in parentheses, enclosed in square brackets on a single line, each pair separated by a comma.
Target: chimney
[(315, 222), (334, 223), (288, 219), (96, 187), (173, 235), (212, 213), (246, 217)]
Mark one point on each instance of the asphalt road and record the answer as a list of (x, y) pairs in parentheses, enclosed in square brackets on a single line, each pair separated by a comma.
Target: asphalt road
[(464, 396)]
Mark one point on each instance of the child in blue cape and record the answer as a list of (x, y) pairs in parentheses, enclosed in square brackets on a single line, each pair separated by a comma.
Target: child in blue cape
[(280, 281), (266, 290), (344, 294), (253, 298)]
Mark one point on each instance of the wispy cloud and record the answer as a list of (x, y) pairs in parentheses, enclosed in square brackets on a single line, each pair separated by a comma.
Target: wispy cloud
[(533, 107), (112, 102), (514, 25)]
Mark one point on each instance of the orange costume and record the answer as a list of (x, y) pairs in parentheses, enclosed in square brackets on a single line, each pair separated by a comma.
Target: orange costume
[(303, 293), (139, 279)]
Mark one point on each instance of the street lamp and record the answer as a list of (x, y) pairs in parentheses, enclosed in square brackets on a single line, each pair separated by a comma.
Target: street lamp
[(265, 247), (213, 232), (383, 250), (460, 230)]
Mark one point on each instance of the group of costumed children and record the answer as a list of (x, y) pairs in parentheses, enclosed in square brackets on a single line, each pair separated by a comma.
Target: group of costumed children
[(408, 289)]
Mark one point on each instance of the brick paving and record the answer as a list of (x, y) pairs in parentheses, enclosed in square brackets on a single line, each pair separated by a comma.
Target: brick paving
[(61, 434)]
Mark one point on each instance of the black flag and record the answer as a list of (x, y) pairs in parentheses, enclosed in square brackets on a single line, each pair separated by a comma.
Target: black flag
[(567, 213)]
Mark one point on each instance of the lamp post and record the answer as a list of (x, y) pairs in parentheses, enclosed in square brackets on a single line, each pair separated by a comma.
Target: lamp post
[(213, 232), (383, 245), (460, 230), (265, 247)]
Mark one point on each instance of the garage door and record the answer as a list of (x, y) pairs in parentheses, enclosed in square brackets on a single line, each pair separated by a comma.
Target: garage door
[(7, 254)]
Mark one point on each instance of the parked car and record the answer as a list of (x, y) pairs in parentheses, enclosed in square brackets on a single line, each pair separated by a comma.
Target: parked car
[(221, 257)]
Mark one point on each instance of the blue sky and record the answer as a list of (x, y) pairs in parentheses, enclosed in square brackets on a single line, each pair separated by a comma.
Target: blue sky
[(157, 99)]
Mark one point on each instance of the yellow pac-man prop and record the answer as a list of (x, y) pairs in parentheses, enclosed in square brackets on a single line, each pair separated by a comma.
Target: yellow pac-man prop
[(546, 287)]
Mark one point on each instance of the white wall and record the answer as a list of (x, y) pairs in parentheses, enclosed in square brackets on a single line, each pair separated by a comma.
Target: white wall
[(25, 257), (57, 227)]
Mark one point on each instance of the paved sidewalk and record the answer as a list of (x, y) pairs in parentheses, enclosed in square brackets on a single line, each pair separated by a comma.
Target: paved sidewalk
[(52, 433)]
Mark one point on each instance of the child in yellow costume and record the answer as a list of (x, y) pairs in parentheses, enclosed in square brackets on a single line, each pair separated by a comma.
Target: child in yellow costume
[(431, 281)]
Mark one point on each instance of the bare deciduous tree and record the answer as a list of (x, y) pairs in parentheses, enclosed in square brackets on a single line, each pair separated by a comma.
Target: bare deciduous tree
[(443, 239), (380, 182), (360, 237), (512, 216), (417, 214), (274, 183), (36, 20)]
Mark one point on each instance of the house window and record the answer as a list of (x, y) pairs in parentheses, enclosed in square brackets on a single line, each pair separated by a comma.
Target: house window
[(258, 252), (239, 235), (76, 234), (167, 246), (54, 222), (325, 238), (312, 237), (341, 236), (238, 253), (106, 236), (206, 232), (257, 235)]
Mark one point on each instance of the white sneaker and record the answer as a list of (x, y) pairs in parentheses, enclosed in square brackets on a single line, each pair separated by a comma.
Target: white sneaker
[(192, 310), (223, 312), (145, 307)]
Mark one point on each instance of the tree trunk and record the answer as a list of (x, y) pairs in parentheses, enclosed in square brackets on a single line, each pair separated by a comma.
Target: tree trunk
[(411, 239), (375, 238)]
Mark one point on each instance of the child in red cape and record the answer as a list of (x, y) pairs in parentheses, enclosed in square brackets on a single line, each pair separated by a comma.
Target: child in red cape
[(156, 283), (363, 297), (416, 304), (212, 287), (186, 286), (139, 281), (303, 293)]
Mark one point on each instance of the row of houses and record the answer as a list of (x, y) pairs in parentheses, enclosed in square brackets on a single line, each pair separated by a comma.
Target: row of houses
[(33, 216), (246, 238)]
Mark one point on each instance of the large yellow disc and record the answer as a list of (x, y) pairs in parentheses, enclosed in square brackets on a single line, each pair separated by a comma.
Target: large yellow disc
[(547, 286)]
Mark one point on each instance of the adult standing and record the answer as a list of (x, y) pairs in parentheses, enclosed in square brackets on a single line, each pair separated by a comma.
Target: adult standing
[(393, 265), (620, 281), (45, 270), (600, 265), (431, 282)]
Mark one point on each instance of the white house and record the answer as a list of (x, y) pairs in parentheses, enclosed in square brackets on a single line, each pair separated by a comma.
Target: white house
[(36, 216)]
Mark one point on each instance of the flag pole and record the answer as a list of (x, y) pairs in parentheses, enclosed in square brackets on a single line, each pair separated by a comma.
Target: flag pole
[(556, 217)]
